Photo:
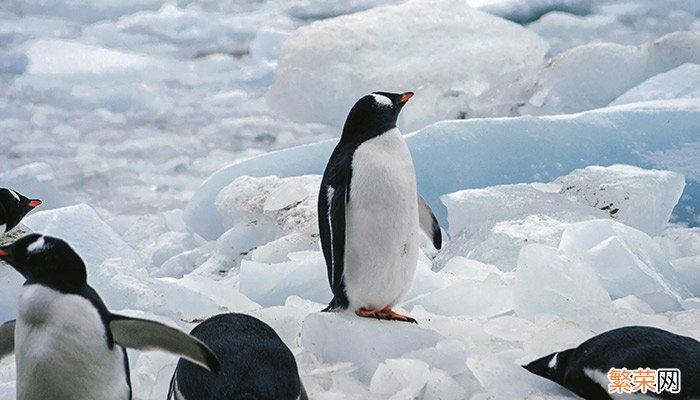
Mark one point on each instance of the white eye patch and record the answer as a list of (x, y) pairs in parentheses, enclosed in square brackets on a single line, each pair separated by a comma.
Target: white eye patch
[(36, 246), (14, 194), (382, 100)]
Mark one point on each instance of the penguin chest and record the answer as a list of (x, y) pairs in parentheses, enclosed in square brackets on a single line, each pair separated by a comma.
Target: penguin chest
[(61, 349), (382, 223)]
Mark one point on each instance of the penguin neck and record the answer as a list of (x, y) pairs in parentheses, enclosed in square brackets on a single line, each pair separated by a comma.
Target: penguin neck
[(358, 132), (71, 283)]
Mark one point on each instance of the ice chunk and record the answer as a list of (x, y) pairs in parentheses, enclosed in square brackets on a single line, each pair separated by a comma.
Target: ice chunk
[(468, 298), (549, 281), (451, 50), (554, 334), (503, 377), (491, 225), (523, 12), (611, 70), (637, 197), (628, 262), (401, 377), (688, 269), (343, 337), (678, 83), (441, 386), (270, 284), (84, 231)]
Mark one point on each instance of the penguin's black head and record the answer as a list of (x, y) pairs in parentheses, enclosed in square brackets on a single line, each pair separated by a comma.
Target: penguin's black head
[(15, 207), (373, 115), (551, 367), (46, 260)]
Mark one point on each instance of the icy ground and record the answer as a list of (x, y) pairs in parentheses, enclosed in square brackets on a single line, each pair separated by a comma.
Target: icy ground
[(147, 129)]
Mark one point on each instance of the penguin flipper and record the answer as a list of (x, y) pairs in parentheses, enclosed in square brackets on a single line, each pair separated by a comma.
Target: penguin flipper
[(428, 223), (7, 338), (332, 209), (142, 334)]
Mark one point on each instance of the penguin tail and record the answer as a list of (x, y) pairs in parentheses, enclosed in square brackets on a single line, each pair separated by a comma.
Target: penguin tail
[(334, 306)]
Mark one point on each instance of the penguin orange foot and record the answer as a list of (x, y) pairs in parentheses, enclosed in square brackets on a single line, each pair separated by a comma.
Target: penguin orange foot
[(386, 313)]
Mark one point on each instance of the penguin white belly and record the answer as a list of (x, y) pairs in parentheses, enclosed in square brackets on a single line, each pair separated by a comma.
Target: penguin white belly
[(382, 223), (61, 349)]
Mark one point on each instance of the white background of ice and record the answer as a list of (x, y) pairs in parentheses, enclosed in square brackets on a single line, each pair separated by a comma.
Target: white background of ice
[(114, 113)]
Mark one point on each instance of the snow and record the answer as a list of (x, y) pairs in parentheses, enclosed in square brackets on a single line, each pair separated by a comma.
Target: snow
[(119, 115), (315, 81)]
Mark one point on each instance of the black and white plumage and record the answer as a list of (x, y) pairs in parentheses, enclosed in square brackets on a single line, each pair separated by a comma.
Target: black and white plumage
[(67, 344), (255, 363), (370, 213), (584, 369), (13, 207)]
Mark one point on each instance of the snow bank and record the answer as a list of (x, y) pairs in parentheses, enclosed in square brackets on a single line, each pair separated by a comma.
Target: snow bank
[(451, 54), (487, 152)]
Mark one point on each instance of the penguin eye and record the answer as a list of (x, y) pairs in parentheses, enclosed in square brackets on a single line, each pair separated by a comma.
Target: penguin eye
[(382, 100)]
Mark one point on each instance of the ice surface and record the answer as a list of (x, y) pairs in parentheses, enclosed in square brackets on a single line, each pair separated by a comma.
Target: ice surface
[(549, 281), (627, 260), (678, 83), (403, 378), (338, 337), (466, 150), (640, 198), (35, 180), (451, 54)]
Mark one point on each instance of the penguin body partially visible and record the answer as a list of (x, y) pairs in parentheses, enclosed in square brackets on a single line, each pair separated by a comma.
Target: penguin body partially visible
[(255, 363), (370, 213), (13, 207), (67, 344), (584, 369)]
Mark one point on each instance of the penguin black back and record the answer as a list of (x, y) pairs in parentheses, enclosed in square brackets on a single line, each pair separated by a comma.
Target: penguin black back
[(13, 207), (255, 363), (584, 369)]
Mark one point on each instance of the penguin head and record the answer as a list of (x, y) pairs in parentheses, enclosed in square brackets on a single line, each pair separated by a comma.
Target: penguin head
[(373, 115), (14, 206), (46, 260), (551, 367)]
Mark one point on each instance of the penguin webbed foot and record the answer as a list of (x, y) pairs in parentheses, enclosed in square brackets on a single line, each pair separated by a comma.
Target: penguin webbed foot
[(386, 314)]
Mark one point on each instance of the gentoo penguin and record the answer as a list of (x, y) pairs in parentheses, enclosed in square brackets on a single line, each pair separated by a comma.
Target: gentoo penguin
[(67, 344), (369, 211), (13, 207), (255, 363), (584, 370)]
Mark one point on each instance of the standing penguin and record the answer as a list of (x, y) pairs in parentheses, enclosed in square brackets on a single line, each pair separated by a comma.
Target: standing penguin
[(67, 344), (255, 363), (13, 207), (369, 211)]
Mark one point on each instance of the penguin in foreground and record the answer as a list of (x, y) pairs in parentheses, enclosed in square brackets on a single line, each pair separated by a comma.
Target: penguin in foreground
[(13, 207), (369, 212), (255, 364), (584, 370), (67, 344)]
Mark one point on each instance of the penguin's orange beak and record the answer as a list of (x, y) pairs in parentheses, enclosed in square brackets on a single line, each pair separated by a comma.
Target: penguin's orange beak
[(35, 203), (3, 252), (405, 97)]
